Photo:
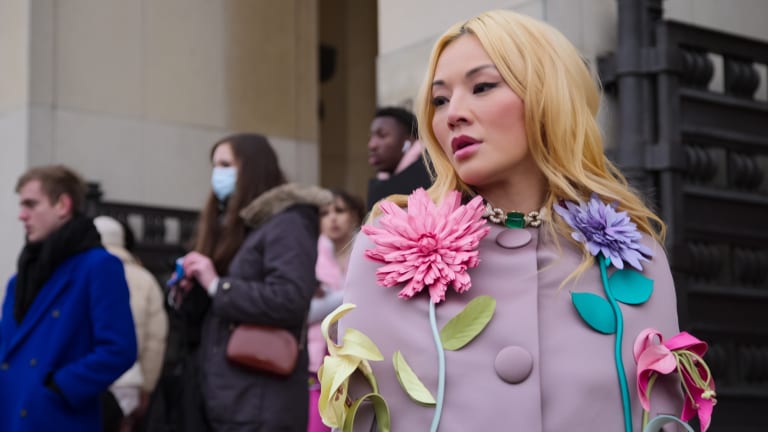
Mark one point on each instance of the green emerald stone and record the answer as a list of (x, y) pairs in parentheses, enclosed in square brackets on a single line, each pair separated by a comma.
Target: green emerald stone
[(515, 220)]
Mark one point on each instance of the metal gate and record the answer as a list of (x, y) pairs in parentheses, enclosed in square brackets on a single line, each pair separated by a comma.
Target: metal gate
[(694, 135)]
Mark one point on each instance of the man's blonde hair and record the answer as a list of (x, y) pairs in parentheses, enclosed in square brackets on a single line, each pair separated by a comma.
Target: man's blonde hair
[(55, 181)]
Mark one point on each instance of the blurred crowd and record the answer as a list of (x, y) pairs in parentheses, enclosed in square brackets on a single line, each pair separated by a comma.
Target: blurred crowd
[(116, 348)]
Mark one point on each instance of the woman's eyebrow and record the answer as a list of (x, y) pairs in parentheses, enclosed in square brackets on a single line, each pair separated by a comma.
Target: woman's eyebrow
[(469, 73)]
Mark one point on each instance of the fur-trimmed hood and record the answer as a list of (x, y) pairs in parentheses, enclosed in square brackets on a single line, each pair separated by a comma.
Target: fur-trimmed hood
[(280, 198)]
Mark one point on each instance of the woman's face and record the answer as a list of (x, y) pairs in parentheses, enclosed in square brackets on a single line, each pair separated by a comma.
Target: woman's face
[(337, 222), (478, 119), (223, 156)]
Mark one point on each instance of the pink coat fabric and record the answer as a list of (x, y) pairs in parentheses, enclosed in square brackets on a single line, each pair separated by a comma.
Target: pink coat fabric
[(572, 385), (331, 279)]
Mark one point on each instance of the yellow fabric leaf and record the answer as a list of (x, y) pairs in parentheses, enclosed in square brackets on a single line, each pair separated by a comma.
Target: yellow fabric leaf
[(410, 382)]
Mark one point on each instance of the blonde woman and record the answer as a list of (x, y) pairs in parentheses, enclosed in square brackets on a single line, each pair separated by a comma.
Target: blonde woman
[(507, 113)]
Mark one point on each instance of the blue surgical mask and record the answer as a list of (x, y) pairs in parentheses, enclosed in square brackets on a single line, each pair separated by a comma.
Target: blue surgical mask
[(223, 180)]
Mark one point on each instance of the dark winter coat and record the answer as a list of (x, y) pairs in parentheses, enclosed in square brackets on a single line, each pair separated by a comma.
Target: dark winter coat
[(271, 281)]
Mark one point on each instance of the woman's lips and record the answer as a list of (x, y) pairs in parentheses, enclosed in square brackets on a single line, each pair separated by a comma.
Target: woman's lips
[(464, 146), (462, 141), (466, 151)]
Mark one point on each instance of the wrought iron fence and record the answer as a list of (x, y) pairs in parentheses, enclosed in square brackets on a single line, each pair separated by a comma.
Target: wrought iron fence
[(704, 153), (161, 234)]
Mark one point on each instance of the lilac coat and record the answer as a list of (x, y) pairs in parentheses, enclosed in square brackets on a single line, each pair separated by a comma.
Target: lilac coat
[(572, 385)]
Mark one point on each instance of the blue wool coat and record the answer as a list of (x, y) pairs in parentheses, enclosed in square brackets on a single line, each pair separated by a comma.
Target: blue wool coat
[(80, 329)]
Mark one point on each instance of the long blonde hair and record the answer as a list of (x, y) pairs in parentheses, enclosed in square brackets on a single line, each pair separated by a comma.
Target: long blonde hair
[(561, 100)]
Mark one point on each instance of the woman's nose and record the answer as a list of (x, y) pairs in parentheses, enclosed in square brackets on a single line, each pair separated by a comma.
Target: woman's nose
[(457, 112)]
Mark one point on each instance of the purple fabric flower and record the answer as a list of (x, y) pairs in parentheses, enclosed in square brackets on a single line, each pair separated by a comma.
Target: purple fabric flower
[(606, 231)]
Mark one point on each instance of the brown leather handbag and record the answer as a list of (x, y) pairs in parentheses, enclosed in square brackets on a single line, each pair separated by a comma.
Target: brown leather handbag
[(269, 349)]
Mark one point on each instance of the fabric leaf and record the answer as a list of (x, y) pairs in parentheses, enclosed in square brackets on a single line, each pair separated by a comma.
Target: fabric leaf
[(380, 408), (468, 323), (658, 423), (357, 344), (630, 287), (595, 311), (410, 382)]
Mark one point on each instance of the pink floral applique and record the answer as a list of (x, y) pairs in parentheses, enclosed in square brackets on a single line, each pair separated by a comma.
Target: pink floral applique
[(428, 245), (682, 353)]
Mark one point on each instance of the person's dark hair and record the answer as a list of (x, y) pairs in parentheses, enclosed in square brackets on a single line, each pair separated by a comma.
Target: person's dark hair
[(220, 230), (354, 203), (405, 118), (55, 181)]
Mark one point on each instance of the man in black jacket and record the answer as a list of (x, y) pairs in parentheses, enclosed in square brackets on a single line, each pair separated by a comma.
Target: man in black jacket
[(394, 151)]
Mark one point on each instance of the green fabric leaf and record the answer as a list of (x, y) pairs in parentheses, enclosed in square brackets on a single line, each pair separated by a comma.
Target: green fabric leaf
[(658, 422), (380, 408), (595, 311), (468, 323), (630, 286), (410, 382), (357, 345)]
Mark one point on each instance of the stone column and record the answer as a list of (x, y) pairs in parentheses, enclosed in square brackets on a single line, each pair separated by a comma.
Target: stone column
[(14, 125)]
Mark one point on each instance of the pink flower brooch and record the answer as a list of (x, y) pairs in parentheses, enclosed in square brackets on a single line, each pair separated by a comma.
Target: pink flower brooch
[(426, 246), (682, 354)]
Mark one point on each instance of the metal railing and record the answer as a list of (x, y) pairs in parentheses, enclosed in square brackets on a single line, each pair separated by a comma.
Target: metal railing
[(702, 141), (161, 234)]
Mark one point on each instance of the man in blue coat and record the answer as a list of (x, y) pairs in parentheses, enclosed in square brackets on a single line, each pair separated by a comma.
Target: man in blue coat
[(66, 330)]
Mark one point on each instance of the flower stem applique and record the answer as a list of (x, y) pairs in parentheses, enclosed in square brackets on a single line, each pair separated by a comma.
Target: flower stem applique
[(432, 246), (682, 354), (613, 239)]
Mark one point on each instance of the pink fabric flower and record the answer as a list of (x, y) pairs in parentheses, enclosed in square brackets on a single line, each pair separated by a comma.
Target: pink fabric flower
[(428, 245), (682, 353)]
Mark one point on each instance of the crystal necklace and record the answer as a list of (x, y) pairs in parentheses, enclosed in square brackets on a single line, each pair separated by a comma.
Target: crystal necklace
[(512, 219)]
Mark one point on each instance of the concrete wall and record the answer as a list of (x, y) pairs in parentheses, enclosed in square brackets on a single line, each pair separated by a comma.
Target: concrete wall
[(742, 17), (143, 88), (14, 130)]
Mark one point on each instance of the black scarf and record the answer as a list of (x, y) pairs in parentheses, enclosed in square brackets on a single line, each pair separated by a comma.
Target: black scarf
[(39, 260)]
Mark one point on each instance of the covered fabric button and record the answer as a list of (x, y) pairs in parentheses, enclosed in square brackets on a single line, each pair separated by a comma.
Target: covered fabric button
[(513, 238), (513, 364)]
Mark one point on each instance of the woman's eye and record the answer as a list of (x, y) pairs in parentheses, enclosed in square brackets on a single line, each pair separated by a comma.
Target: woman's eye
[(439, 100), (483, 87)]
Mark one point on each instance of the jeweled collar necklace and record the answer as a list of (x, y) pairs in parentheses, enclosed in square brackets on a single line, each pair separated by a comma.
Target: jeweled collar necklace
[(513, 219)]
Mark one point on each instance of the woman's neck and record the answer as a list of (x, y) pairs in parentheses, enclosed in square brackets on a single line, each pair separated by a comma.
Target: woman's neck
[(522, 193)]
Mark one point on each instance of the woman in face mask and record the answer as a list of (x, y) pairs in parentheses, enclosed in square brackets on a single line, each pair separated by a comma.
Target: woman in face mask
[(253, 263)]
